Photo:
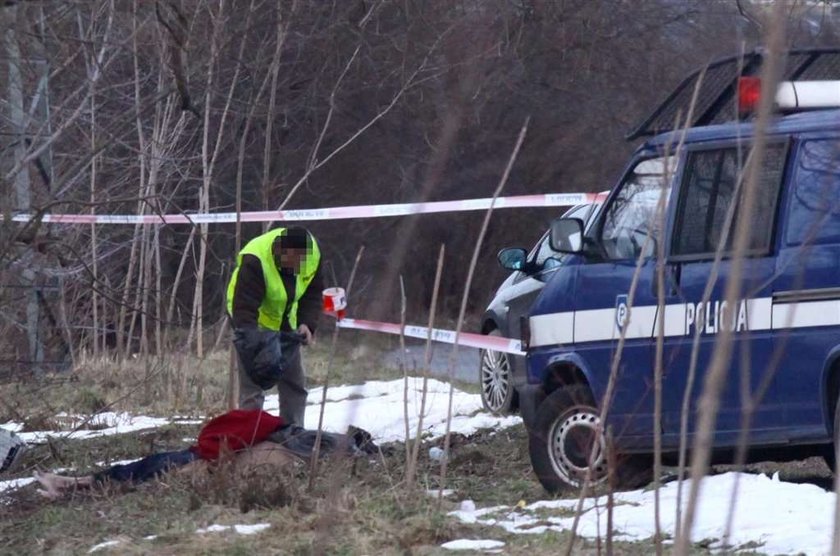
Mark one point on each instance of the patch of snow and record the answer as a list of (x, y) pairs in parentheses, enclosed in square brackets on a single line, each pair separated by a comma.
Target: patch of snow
[(213, 529), (779, 516), (251, 529), (437, 454), (106, 424), (473, 516), (434, 492), (378, 407), (240, 529), (15, 484), (150, 537), (102, 545), (11, 485), (477, 544), (12, 426), (118, 462)]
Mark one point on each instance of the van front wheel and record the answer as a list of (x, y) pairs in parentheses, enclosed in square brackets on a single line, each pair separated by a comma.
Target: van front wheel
[(565, 433), (830, 451), (567, 436)]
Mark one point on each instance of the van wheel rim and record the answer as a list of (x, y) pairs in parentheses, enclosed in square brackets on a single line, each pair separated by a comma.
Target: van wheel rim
[(572, 438), (495, 379)]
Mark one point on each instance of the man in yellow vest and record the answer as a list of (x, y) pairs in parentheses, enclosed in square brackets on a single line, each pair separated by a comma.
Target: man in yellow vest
[(276, 286)]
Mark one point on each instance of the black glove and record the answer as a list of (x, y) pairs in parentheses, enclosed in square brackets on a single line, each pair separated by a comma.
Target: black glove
[(261, 355)]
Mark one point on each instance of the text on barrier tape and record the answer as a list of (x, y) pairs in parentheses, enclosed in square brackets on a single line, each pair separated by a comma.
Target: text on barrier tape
[(496, 343), (329, 213)]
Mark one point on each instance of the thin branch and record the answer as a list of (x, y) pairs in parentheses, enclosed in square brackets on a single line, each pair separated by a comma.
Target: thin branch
[(313, 466), (410, 82), (453, 357), (411, 470), (716, 375)]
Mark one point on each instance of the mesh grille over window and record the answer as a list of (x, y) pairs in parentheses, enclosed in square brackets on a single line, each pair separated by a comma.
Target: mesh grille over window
[(718, 88), (712, 184)]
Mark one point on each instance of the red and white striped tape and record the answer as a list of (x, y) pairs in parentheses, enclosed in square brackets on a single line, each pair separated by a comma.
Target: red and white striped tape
[(329, 213), (506, 345)]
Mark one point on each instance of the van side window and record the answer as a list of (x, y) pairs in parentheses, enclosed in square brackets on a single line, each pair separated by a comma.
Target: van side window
[(630, 218), (710, 188), (815, 202)]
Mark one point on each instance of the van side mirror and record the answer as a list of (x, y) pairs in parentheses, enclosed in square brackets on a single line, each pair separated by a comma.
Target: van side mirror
[(566, 235), (513, 258)]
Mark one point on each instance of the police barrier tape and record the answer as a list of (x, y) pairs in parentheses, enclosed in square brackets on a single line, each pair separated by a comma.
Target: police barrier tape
[(495, 343), (329, 213), (506, 345)]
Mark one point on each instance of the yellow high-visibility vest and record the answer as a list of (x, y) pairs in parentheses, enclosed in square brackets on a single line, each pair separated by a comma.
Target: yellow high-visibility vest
[(274, 302)]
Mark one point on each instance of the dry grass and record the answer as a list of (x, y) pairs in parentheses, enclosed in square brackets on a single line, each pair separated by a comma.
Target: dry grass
[(357, 506), (176, 383)]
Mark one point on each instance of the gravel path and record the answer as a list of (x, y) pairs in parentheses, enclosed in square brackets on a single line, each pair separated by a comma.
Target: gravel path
[(466, 369)]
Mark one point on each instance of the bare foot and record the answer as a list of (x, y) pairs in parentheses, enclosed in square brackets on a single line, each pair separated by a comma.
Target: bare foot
[(55, 485), (49, 483)]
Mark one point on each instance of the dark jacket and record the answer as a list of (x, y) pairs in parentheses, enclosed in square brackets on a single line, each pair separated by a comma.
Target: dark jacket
[(250, 290)]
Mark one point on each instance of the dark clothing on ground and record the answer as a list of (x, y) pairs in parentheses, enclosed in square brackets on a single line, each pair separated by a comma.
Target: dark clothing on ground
[(238, 430), (301, 442), (147, 468), (250, 291)]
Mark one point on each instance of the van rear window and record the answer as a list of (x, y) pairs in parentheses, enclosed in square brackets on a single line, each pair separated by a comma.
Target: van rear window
[(815, 201)]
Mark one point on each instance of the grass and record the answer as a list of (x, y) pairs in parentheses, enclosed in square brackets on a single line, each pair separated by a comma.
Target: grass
[(175, 383), (356, 507), (365, 515)]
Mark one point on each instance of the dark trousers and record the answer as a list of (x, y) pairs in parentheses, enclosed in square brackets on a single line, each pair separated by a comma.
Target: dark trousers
[(291, 387), (147, 468)]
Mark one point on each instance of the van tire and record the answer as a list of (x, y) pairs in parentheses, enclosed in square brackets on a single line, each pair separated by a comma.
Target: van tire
[(830, 453), (561, 440)]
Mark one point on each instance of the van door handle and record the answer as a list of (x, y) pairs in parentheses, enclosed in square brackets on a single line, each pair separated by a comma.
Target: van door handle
[(676, 275)]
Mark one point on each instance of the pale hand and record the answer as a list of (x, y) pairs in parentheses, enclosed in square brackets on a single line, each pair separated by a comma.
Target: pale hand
[(306, 333)]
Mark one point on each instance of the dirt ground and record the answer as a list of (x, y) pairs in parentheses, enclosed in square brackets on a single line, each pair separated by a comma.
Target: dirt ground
[(361, 506), (356, 507)]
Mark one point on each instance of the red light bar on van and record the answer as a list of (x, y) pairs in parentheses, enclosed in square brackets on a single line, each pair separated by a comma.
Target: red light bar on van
[(790, 95), (749, 93)]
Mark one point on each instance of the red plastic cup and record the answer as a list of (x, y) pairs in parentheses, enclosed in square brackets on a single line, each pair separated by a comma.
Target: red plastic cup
[(334, 302)]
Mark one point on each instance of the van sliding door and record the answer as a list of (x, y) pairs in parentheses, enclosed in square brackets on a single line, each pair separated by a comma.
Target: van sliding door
[(709, 204)]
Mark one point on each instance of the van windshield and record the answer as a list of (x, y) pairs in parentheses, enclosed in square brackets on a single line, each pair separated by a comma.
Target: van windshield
[(631, 219)]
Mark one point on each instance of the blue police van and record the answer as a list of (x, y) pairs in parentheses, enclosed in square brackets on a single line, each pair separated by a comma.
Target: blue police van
[(674, 207)]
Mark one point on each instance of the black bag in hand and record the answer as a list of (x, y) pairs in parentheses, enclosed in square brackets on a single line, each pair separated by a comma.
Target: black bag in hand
[(264, 354)]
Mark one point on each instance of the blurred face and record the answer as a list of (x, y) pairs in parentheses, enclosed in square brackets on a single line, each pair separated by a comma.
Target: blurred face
[(291, 259)]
